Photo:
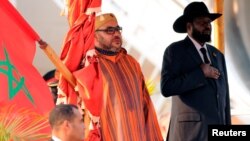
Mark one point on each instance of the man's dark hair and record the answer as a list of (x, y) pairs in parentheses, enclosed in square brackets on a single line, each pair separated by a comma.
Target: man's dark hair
[(61, 113)]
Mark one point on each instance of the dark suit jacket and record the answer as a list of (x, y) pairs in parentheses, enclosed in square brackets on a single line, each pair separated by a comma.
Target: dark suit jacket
[(196, 101)]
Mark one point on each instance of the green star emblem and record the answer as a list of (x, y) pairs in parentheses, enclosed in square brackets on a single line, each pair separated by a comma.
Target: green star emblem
[(15, 82)]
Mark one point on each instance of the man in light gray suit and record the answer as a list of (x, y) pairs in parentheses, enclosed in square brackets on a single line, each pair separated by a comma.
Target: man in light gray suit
[(194, 74)]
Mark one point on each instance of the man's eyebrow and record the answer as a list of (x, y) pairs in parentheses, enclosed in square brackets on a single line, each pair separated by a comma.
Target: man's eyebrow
[(112, 26)]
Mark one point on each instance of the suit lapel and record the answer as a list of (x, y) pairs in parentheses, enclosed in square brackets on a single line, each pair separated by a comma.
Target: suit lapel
[(197, 59), (192, 51), (195, 55), (212, 55)]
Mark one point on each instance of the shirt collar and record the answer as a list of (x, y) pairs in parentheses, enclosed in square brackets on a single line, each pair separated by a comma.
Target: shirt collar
[(55, 138), (198, 47), (196, 44), (106, 52), (114, 58)]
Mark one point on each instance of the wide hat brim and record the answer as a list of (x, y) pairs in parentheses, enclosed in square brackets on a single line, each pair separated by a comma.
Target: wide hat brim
[(193, 10), (180, 23)]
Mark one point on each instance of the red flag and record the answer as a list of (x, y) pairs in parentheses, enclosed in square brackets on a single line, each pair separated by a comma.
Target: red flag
[(78, 43), (20, 82), (79, 39)]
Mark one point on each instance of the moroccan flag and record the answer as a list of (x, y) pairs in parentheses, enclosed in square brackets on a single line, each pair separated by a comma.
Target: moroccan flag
[(21, 84)]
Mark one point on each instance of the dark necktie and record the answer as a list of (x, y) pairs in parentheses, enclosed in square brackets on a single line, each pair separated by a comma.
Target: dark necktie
[(204, 53)]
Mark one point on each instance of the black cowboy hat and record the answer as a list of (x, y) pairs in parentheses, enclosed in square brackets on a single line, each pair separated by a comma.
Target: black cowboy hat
[(193, 10)]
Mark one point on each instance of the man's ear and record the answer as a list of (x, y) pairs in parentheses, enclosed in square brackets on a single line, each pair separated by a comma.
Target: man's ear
[(95, 35), (189, 27), (66, 124), (96, 39)]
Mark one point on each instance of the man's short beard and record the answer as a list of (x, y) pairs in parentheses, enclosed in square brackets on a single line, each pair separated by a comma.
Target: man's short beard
[(202, 38), (107, 45), (110, 48)]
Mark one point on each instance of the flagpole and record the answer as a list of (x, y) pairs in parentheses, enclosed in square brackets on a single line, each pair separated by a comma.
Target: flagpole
[(58, 63), (65, 72)]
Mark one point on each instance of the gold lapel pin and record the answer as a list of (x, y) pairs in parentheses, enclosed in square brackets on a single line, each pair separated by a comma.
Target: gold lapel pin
[(214, 54)]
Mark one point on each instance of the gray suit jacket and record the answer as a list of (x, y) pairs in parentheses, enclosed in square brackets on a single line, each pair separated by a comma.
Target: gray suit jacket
[(196, 101)]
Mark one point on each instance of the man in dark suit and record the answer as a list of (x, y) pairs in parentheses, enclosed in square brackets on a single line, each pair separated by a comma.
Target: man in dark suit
[(194, 74), (67, 123)]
